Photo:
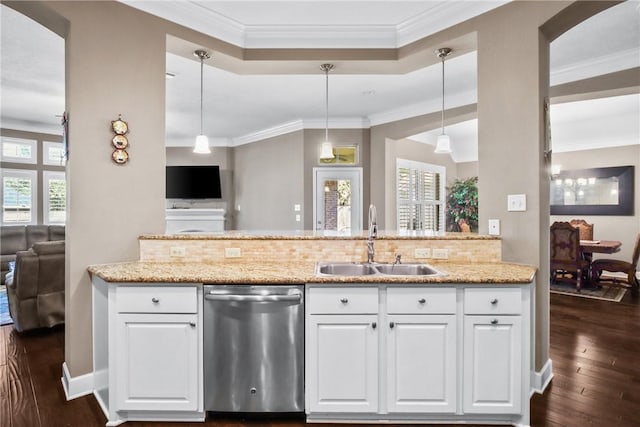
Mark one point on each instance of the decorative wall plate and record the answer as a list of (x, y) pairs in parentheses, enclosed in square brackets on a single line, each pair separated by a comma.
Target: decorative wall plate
[(120, 141), (120, 127), (120, 156)]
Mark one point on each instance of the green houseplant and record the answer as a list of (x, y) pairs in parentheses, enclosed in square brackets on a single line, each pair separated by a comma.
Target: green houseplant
[(462, 204)]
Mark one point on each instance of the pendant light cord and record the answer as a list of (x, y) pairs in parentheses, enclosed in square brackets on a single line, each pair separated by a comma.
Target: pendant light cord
[(201, 90), (326, 122), (442, 94)]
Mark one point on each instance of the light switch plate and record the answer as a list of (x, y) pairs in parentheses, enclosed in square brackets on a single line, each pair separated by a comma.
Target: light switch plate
[(517, 202), (296, 208), (494, 227)]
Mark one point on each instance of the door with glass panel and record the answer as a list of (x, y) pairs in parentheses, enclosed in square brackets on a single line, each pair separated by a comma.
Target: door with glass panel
[(420, 196), (337, 200)]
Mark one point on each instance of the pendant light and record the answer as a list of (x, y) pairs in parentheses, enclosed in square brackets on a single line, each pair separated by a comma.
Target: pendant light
[(202, 142), (326, 150), (443, 145)]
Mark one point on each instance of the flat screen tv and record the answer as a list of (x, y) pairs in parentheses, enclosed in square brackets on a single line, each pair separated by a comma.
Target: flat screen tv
[(193, 182)]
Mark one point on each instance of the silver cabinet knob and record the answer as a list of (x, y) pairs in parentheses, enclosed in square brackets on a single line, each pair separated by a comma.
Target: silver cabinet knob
[(392, 325), (344, 300), (494, 322), (374, 325), (494, 301), (155, 300), (422, 300)]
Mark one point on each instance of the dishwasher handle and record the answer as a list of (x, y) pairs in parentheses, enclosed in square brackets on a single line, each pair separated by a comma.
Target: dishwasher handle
[(213, 296)]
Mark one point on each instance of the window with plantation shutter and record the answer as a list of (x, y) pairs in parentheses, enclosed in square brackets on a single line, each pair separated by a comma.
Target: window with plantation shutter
[(18, 150), (19, 197), (420, 196), (55, 197)]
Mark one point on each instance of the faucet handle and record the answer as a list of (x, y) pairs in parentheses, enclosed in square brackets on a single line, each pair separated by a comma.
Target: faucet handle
[(398, 259)]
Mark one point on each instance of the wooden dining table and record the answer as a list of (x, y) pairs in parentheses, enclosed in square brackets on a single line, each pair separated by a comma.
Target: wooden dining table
[(589, 247)]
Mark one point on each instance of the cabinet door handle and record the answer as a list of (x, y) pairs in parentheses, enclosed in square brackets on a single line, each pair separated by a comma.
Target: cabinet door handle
[(422, 300), (374, 325), (494, 322), (192, 324), (392, 325), (344, 300), (494, 301), (155, 300)]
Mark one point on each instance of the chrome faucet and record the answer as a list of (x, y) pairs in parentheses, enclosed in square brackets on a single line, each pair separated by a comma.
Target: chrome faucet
[(373, 233)]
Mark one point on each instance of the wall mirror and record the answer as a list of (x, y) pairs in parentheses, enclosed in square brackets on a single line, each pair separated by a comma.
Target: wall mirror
[(596, 191)]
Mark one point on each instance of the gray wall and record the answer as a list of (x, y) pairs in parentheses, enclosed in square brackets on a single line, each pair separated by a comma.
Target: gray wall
[(269, 181), (606, 227), (467, 170)]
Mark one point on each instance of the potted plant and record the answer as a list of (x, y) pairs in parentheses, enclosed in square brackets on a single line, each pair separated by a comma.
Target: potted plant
[(462, 205)]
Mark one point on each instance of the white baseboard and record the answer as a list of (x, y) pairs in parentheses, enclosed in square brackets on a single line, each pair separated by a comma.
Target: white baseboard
[(541, 379), (78, 386)]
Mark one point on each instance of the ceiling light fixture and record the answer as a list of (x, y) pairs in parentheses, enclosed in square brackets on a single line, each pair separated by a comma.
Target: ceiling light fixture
[(443, 145), (326, 150), (202, 142)]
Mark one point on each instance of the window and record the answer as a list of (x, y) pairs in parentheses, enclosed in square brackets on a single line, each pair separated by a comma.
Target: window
[(53, 153), (19, 150), (420, 196), (19, 196), (55, 197)]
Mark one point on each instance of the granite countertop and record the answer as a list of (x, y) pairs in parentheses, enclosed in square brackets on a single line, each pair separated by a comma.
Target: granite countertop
[(298, 273), (315, 235)]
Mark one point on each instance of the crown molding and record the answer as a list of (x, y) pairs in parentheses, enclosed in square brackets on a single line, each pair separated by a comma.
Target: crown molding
[(601, 65), (271, 132), (441, 16), (198, 16), (320, 36), (195, 16)]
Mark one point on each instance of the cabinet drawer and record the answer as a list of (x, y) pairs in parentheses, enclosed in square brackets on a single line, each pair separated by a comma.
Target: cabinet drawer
[(493, 301), (139, 299), (421, 300), (343, 300)]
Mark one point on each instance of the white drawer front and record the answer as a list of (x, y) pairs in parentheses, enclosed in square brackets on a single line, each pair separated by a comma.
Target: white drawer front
[(421, 300), (492, 301), (341, 300), (148, 299)]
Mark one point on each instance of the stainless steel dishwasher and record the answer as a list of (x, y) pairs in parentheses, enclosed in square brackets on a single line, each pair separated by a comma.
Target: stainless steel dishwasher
[(253, 348)]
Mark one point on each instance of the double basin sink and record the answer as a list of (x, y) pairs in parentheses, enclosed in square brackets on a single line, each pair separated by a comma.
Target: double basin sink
[(375, 269)]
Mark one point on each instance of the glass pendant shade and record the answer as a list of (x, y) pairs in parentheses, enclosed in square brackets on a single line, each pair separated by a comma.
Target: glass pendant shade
[(443, 145), (326, 151), (202, 145)]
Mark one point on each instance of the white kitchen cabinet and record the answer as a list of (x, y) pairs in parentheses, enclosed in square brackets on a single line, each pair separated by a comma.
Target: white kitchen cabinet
[(493, 350), (148, 351), (492, 364), (341, 366), (421, 349), (456, 354), (421, 363), (342, 363), (157, 362)]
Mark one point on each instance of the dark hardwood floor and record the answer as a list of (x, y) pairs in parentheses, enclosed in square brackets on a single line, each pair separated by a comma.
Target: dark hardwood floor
[(595, 348)]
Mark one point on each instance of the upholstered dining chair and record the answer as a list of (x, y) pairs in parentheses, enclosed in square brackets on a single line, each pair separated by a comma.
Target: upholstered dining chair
[(586, 229), (618, 266), (566, 261)]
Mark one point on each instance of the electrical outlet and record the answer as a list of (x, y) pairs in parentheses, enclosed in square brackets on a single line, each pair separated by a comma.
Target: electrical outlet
[(297, 217), (232, 253), (422, 253), (178, 251), (494, 227), (440, 253)]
